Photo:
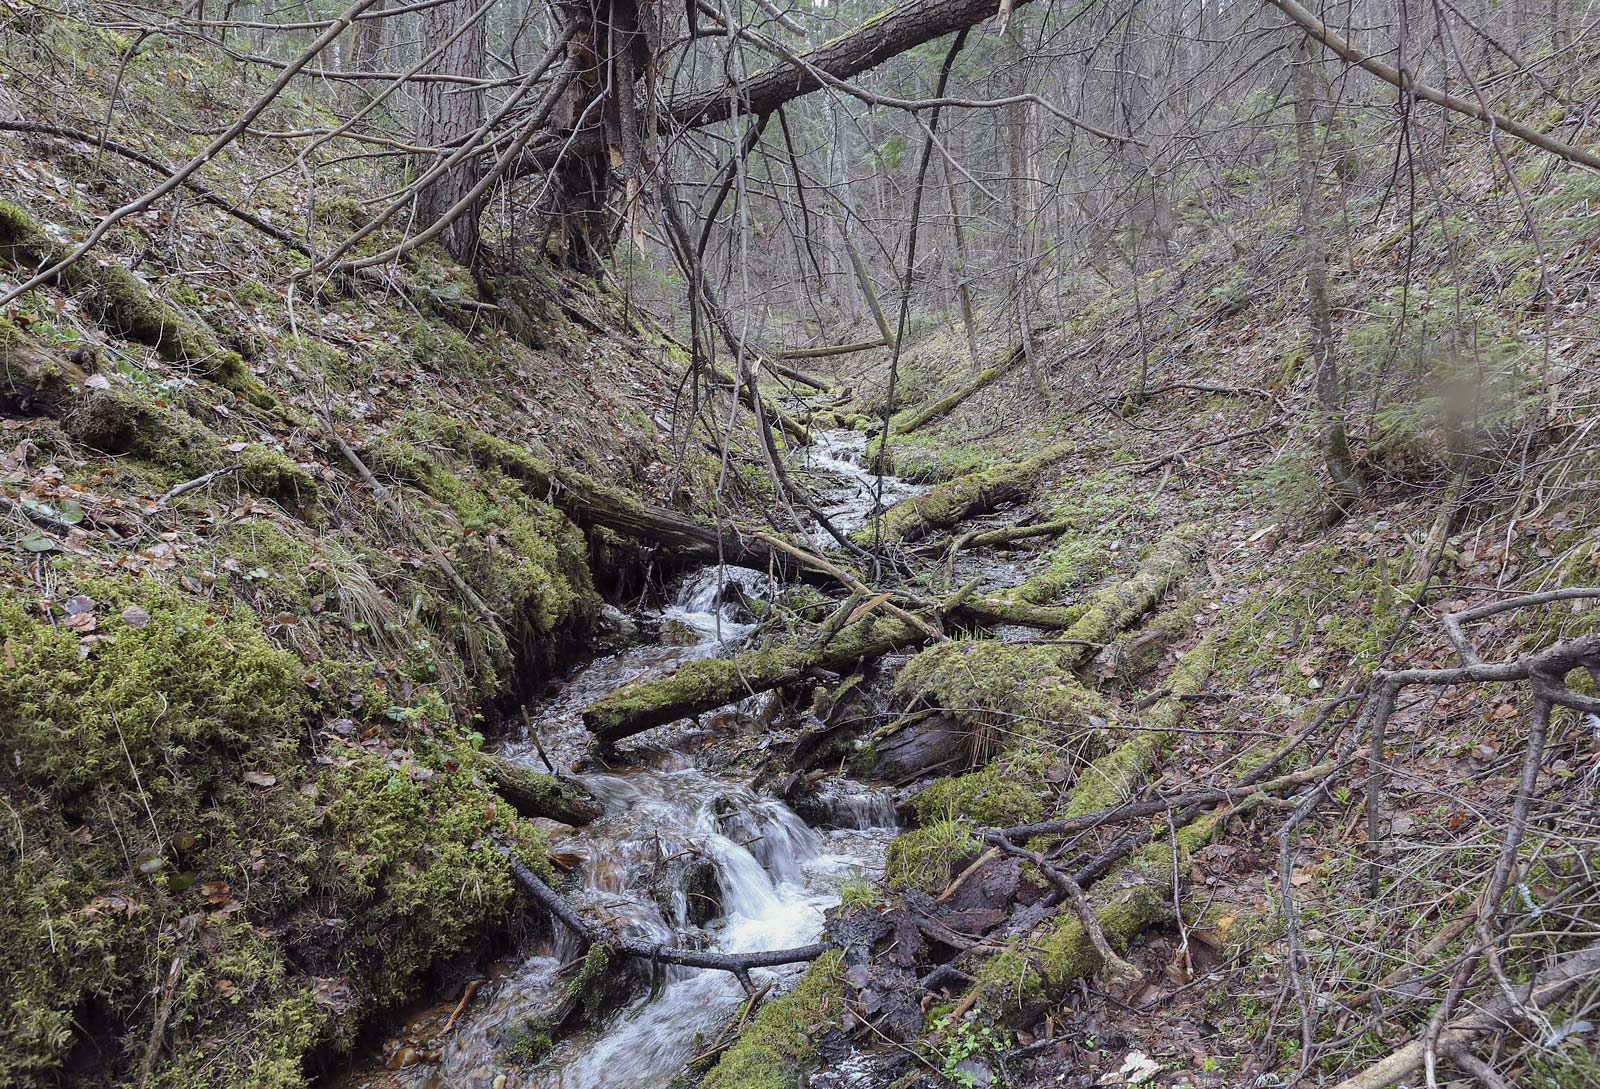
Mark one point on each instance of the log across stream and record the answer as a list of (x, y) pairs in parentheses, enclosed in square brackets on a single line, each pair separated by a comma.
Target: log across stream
[(686, 855)]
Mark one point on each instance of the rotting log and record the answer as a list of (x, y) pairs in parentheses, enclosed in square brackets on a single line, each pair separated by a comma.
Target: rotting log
[(1133, 897), (992, 611), (709, 683), (535, 794), (590, 503), (952, 401), (964, 497)]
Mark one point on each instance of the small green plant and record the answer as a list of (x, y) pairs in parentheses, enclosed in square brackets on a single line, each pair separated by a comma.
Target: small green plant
[(858, 892), (963, 1042)]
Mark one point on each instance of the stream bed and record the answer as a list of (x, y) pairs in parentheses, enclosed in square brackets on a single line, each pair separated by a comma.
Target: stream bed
[(686, 854)]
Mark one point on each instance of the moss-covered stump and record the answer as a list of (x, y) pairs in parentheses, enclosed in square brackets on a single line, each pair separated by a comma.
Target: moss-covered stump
[(120, 302), (535, 794), (709, 683), (1134, 896), (779, 1045), (964, 497)]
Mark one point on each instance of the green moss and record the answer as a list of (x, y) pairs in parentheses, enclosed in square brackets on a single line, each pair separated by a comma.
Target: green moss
[(118, 300), (996, 796), (520, 554), (924, 856), (1025, 690), (270, 472), (1109, 780), (778, 1046), (976, 493), (121, 420), (162, 806), (1136, 894)]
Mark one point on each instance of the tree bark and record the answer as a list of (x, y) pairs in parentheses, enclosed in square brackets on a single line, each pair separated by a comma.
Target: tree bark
[(1331, 438), (447, 113)]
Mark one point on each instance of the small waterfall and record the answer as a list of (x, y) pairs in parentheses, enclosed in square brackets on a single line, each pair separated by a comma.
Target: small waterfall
[(846, 804)]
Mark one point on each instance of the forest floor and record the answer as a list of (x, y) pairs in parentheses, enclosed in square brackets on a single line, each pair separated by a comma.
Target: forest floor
[(278, 564)]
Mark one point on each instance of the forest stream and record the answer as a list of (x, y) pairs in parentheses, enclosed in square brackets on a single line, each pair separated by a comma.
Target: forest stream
[(686, 855)]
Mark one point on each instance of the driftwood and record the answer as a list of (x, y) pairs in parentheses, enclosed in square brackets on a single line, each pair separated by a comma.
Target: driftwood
[(591, 933)]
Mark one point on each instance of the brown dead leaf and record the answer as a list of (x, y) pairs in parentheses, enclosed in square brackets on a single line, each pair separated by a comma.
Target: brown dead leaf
[(260, 778)]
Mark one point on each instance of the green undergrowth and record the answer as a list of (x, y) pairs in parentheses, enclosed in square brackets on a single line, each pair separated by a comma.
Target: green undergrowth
[(1099, 506), (1134, 895), (122, 303), (1334, 608)]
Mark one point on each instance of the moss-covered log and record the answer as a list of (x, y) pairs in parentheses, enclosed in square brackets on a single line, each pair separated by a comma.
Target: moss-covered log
[(779, 1046), (591, 503), (952, 401), (987, 610), (535, 794), (709, 683), (1117, 606), (964, 497), (1137, 894), (1113, 777)]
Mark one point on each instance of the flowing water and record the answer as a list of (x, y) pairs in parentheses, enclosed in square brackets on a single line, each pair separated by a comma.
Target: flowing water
[(685, 855)]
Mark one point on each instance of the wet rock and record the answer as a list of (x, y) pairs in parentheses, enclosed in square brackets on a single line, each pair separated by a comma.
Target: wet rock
[(678, 633), (613, 629), (843, 803)]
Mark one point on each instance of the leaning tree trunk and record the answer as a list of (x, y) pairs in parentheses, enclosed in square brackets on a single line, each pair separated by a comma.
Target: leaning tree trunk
[(449, 112)]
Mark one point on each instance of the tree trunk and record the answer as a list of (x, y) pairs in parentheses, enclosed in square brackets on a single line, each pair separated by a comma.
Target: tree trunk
[(1332, 439), (447, 113), (364, 58)]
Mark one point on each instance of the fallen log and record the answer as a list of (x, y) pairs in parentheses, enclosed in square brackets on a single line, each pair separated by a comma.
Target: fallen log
[(709, 683), (590, 503), (535, 794), (987, 610), (830, 349), (952, 401), (1113, 777), (1136, 895), (964, 497)]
